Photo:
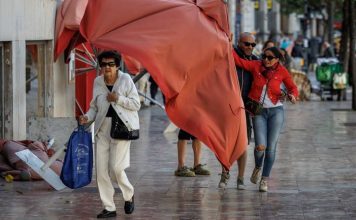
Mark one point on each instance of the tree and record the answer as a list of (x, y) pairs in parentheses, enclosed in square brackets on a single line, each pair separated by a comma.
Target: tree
[(352, 61), (345, 9), (306, 7), (345, 36), (301, 6), (348, 42)]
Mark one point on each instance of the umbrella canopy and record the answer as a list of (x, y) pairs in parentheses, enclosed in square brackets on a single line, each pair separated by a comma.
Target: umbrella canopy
[(185, 45), (132, 65)]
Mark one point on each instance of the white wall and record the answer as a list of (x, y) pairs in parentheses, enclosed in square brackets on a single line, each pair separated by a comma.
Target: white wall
[(27, 19), (33, 20), (64, 99)]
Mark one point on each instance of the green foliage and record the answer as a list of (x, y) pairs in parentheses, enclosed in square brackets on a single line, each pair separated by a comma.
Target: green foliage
[(292, 6), (298, 6)]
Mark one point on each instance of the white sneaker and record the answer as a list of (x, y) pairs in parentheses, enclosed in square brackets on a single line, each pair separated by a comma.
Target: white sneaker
[(240, 184), (255, 175), (263, 185), (224, 179)]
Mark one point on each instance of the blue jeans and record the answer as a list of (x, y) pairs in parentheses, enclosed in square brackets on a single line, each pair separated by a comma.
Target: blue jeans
[(267, 128)]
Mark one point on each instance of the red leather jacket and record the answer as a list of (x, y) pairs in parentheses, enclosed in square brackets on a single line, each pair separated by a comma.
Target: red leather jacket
[(274, 76)]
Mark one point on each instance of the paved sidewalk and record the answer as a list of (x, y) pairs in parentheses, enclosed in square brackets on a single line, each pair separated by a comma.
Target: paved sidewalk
[(314, 176)]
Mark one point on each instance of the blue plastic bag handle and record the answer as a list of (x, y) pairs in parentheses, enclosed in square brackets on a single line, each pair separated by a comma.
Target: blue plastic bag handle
[(81, 128)]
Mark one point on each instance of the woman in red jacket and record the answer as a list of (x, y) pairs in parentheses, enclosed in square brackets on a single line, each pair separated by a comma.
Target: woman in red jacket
[(268, 75)]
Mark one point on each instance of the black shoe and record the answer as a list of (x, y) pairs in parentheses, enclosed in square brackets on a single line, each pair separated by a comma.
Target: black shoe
[(129, 206), (106, 214)]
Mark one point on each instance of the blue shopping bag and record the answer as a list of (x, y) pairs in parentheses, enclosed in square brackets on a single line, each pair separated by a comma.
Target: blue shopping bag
[(78, 161)]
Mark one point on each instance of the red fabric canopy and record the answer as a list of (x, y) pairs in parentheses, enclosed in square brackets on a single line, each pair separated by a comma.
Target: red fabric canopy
[(185, 46), (132, 65)]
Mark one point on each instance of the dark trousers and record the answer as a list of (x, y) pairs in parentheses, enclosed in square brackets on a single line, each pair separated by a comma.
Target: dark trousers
[(154, 89)]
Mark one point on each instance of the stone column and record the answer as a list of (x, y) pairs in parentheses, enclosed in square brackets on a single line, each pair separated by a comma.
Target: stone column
[(18, 89), (232, 17), (15, 90), (293, 24), (262, 21), (248, 16), (275, 21)]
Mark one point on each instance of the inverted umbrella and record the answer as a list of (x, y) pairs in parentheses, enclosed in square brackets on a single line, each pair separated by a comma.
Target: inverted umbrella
[(185, 46)]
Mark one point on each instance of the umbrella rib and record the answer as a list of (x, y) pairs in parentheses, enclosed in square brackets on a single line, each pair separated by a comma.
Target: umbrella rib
[(89, 54), (152, 100), (85, 60), (85, 69)]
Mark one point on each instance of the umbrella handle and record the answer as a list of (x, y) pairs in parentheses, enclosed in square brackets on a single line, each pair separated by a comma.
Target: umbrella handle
[(54, 157)]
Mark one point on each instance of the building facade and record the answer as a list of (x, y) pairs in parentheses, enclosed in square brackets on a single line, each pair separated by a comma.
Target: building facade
[(33, 87)]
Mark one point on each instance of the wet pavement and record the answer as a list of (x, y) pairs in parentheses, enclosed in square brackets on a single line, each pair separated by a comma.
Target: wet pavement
[(314, 176)]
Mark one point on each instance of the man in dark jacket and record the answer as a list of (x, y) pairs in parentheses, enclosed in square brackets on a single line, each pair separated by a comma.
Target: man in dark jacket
[(244, 49), (298, 54)]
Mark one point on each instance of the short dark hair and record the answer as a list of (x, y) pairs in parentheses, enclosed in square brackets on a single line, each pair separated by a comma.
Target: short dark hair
[(110, 54)]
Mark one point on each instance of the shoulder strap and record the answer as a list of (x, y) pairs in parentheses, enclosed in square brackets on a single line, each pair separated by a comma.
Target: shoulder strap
[(264, 96)]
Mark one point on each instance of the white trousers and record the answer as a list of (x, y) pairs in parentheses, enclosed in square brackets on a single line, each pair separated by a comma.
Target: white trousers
[(112, 158)]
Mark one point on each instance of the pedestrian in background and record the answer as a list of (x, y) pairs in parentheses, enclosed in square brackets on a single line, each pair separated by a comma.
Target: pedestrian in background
[(142, 85), (268, 44), (154, 90), (313, 52), (258, 48), (268, 74), (244, 49), (114, 92), (327, 51), (298, 53), (198, 168), (286, 60)]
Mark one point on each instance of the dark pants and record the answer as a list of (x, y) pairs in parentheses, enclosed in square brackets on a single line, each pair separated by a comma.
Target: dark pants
[(249, 127), (183, 135), (154, 89)]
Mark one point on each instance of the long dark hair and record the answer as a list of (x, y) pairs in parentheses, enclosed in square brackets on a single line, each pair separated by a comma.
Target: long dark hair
[(286, 60), (276, 52)]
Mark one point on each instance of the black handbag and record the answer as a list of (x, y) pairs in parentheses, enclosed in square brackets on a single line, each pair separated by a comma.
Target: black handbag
[(120, 131), (253, 107)]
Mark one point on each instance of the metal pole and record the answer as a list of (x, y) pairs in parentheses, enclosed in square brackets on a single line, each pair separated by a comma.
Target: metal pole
[(152, 100)]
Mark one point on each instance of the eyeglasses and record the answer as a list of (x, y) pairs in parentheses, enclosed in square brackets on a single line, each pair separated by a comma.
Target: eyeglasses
[(105, 64), (247, 44), (264, 56)]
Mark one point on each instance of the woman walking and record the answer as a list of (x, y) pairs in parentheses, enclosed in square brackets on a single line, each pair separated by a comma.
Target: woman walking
[(114, 94), (268, 75)]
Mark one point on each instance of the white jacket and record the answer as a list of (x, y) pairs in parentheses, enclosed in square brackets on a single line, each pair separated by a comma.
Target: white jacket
[(126, 107)]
